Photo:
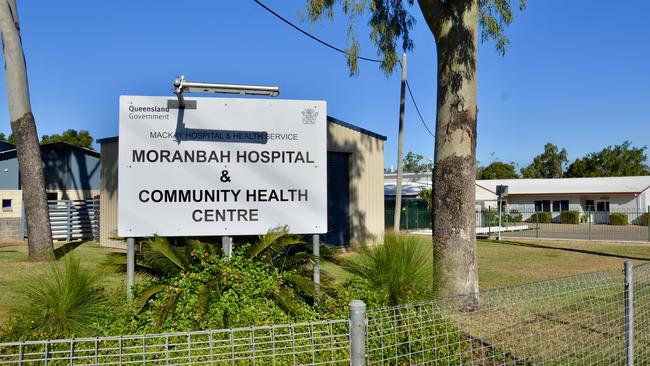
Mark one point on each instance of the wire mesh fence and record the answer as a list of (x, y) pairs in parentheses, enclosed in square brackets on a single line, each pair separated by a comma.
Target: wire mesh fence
[(577, 320), (611, 225), (619, 225)]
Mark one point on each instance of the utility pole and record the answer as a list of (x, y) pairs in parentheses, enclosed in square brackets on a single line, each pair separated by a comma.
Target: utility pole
[(400, 146), (23, 127)]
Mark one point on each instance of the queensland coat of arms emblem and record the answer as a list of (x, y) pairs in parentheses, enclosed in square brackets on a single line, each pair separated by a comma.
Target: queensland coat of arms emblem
[(309, 116)]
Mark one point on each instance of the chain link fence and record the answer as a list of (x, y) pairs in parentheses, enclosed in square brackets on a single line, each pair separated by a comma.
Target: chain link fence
[(592, 319)]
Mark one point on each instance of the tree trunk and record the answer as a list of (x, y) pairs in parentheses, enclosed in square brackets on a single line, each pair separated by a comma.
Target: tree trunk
[(23, 127), (455, 25)]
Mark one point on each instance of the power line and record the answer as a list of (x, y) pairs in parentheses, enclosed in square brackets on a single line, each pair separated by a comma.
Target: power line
[(408, 86), (311, 36), (345, 53)]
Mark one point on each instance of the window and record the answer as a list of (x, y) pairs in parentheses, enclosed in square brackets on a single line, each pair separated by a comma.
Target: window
[(559, 206), (590, 206), (543, 206), (6, 204), (602, 206), (52, 196)]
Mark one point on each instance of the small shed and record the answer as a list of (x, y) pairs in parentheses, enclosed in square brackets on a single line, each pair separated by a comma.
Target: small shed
[(71, 173), (355, 190)]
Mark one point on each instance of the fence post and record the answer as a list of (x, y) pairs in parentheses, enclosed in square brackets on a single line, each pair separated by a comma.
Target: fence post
[(357, 333), (536, 224), (68, 236), (629, 314), (589, 220)]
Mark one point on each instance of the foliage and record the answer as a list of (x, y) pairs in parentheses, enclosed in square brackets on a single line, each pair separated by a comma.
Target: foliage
[(165, 261), (289, 254), (390, 23), (220, 293), (425, 194), (644, 219), (64, 301), (548, 164), (515, 216), (618, 161), (618, 219), (9, 139), (80, 138), (412, 163), (541, 217), (401, 268), (570, 217), (497, 170)]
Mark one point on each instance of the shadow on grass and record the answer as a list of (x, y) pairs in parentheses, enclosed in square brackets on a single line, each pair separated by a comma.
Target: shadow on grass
[(66, 248), (583, 251)]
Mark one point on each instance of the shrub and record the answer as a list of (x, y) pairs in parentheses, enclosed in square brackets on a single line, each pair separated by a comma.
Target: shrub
[(515, 216), (618, 218), (63, 301), (644, 219), (541, 217), (401, 268), (570, 217)]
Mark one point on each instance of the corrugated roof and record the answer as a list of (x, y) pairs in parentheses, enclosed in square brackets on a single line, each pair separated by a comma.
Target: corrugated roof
[(48, 145), (601, 185), (413, 189)]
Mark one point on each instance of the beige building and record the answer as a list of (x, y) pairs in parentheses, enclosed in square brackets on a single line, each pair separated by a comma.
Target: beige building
[(355, 186)]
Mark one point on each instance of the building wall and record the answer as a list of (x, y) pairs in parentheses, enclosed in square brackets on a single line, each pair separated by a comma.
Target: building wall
[(366, 181), (9, 174), (366, 185), (108, 197), (626, 203)]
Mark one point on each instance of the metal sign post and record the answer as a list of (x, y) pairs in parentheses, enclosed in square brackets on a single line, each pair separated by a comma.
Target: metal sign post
[(130, 268), (502, 191), (316, 250)]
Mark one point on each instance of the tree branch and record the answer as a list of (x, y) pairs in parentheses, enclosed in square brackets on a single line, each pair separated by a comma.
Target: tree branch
[(434, 12)]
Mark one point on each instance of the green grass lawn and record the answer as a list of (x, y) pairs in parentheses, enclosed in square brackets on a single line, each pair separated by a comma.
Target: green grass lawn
[(505, 263), (15, 269), (514, 262)]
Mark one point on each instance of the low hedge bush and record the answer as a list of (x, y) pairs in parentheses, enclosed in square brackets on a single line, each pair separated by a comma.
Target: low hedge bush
[(515, 217), (644, 218), (617, 218), (541, 217), (570, 217)]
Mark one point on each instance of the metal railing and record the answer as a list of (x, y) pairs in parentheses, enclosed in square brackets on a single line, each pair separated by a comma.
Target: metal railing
[(71, 219), (615, 225), (599, 318)]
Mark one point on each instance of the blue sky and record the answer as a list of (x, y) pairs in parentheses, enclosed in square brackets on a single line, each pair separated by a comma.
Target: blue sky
[(576, 74)]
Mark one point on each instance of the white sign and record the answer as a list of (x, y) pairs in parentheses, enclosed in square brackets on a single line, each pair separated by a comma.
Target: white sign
[(227, 167)]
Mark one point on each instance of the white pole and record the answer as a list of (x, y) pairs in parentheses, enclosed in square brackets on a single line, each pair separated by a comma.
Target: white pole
[(499, 229), (316, 250), (226, 246), (400, 145), (130, 268)]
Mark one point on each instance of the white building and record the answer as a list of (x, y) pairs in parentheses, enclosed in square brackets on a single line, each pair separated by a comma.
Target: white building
[(597, 196), (413, 183)]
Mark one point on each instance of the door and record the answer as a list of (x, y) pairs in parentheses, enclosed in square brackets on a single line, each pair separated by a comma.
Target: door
[(338, 199), (602, 212)]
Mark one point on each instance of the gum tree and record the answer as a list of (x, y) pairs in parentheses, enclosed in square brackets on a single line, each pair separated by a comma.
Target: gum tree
[(456, 26), (23, 127)]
